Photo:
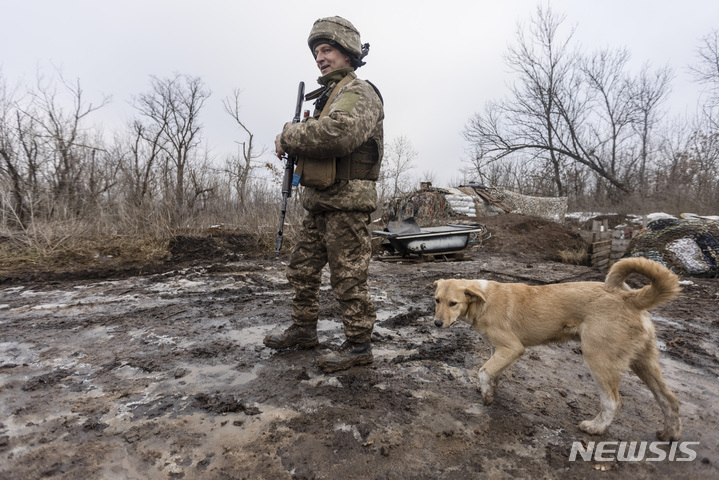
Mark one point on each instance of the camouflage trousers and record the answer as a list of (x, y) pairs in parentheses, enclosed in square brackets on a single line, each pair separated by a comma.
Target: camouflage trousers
[(343, 240)]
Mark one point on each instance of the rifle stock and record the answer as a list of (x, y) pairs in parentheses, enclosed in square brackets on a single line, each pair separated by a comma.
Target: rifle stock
[(290, 161)]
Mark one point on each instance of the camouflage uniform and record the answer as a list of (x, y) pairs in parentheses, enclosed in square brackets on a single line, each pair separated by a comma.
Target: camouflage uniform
[(335, 229)]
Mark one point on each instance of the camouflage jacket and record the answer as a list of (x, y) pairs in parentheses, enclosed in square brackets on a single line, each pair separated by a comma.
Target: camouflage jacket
[(354, 119)]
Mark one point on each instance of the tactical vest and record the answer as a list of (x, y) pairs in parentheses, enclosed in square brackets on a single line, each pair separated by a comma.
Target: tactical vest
[(362, 164)]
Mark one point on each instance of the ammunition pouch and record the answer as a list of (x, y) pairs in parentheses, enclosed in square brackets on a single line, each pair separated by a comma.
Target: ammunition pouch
[(317, 173), (320, 173), (362, 164)]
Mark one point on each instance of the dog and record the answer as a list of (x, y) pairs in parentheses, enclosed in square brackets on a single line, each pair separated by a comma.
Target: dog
[(610, 320)]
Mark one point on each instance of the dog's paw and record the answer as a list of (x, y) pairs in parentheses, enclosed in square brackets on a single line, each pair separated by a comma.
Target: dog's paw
[(590, 427), (486, 387)]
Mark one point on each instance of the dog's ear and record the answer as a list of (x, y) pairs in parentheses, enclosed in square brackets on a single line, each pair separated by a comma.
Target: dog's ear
[(436, 282), (474, 293)]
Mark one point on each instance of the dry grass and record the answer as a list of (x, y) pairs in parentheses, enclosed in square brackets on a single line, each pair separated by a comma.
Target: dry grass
[(133, 237), (574, 256), (82, 252)]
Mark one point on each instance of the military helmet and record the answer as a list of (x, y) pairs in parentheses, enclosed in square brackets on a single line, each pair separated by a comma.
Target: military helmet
[(337, 31)]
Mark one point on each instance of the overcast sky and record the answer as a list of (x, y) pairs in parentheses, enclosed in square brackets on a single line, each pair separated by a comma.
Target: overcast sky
[(436, 62)]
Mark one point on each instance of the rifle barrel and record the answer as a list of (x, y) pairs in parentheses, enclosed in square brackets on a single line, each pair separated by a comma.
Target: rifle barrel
[(289, 170)]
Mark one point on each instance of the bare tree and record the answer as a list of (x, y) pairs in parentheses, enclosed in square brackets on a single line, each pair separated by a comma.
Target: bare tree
[(566, 109), (544, 62), (610, 125), (239, 166), (707, 71), (398, 161), (203, 185), (66, 135), (14, 205), (647, 95), (146, 143), (429, 176), (693, 157), (172, 107), (23, 154), (46, 148), (530, 125)]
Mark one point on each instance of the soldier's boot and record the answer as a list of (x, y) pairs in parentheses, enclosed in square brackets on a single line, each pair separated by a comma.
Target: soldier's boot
[(348, 355), (302, 336)]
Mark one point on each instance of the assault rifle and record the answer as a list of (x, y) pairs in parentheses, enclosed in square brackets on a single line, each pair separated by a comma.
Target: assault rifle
[(288, 179)]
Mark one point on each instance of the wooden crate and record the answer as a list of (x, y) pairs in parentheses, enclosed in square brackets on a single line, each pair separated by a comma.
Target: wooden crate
[(606, 246), (600, 253)]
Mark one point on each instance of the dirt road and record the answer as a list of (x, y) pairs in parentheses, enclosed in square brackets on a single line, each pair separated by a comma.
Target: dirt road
[(164, 376)]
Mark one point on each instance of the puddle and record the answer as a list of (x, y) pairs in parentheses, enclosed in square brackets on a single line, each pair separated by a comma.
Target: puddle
[(385, 331), (50, 306), (255, 335), (272, 293), (227, 375), (391, 353), (175, 287), (250, 335), (666, 321), (329, 326), (151, 338), (13, 353), (128, 371)]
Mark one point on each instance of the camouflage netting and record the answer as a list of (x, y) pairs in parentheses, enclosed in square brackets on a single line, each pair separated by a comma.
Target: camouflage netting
[(430, 204), (425, 206), (687, 246), (549, 208)]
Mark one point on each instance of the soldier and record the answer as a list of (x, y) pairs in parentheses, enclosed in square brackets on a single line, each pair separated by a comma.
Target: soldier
[(339, 151)]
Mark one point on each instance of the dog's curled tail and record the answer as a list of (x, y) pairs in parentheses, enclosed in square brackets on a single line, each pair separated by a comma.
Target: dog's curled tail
[(664, 284)]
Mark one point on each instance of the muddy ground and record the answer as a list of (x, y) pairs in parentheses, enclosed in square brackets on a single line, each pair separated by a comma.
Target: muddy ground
[(106, 374)]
